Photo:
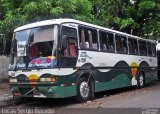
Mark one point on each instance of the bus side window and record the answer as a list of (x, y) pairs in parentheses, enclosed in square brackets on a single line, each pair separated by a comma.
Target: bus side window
[(118, 44), (94, 39), (149, 49), (135, 46), (153, 49), (110, 42), (124, 44), (132, 43), (130, 46), (103, 41), (84, 41), (142, 48), (121, 44), (82, 44), (106, 41), (88, 38), (70, 51)]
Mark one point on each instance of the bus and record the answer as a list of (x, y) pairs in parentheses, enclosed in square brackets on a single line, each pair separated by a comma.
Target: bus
[(61, 58), (158, 59)]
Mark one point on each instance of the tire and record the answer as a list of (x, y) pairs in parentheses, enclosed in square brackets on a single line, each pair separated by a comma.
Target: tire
[(158, 75), (84, 90), (141, 80)]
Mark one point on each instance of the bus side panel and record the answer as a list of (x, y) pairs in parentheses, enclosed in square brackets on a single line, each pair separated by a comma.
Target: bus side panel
[(118, 70), (150, 72), (119, 81), (150, 75), (111, 78)]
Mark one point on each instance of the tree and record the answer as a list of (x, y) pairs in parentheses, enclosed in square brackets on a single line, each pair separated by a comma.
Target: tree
[(140, 17)]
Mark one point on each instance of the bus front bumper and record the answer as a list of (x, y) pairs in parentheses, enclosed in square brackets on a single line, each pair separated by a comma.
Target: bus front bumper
[(42, 90)]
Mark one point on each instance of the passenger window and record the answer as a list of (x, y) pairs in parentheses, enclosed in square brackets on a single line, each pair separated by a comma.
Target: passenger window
[(153, 49), (121, 44), (68, 31), (142, 48), (69, 54), (149, 48), (106, 41), (88, 38), (133, 47), (70, 50)]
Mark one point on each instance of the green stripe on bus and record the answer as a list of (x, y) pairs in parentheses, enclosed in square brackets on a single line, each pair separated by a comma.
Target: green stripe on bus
[(119, 81)]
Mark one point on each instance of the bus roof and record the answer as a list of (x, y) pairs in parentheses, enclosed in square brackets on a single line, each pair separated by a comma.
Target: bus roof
[(60, 21)]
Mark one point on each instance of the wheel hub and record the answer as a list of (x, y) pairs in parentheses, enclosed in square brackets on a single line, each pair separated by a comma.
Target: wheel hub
[(84, 89), (141, 80)]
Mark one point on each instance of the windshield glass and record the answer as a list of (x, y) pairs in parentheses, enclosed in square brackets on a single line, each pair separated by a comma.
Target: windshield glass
[(34, 48)]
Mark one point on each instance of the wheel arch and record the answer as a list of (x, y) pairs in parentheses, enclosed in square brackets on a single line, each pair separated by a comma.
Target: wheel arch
[(86, 75), (142, 72)]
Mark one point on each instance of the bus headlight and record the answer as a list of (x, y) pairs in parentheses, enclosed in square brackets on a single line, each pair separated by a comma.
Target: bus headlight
[(13, 80), (51, 79)]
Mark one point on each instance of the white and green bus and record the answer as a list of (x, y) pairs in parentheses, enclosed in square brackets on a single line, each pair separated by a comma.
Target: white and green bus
[(64, 57)]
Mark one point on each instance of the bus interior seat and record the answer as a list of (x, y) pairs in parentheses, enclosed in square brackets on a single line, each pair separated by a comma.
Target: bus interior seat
[(124, 49), (90, 39), (33, 50), (94, 46), (111, 48), (135, 51), (66, 52), (104, 47), (72, 50), (86, 44), (82, 44)]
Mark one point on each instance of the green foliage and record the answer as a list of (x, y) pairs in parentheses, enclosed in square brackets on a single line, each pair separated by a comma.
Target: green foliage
[(140, 16), (125, 22), (147, 4), (56, 11)]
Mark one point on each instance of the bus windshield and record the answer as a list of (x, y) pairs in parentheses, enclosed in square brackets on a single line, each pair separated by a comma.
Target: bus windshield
[(34, 48)]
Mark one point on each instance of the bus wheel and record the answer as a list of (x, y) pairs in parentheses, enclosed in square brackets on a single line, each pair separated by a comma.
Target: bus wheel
[(141, 80), (84, 90)]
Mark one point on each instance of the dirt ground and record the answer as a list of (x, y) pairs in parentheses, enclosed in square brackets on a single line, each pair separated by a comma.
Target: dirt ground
[(129, 97), (128, 100), (4, 89)]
